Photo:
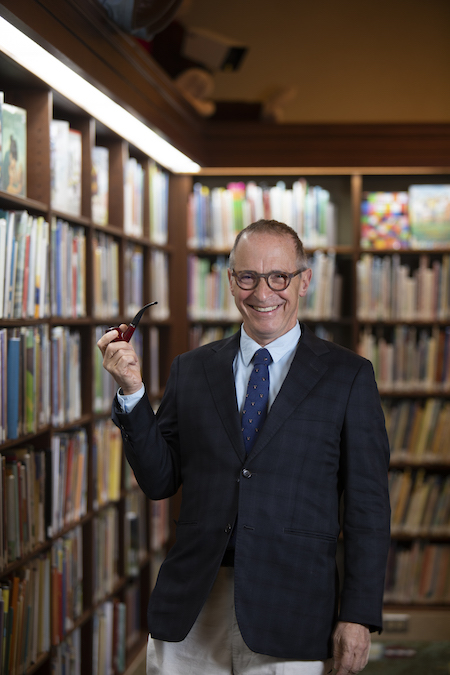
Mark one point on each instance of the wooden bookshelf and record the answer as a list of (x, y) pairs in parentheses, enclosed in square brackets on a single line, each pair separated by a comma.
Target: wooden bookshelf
[(130, 588)]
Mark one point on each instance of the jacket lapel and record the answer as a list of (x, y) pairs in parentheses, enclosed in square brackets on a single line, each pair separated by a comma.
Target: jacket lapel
[(305, 372), (219, 373)]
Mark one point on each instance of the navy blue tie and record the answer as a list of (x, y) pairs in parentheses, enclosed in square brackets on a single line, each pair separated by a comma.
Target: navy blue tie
[(256, 399)]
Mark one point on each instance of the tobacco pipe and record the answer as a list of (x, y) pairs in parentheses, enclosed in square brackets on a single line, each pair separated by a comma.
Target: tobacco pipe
[(126, 335)]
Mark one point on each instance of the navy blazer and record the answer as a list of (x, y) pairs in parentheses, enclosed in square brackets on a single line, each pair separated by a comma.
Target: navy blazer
[(324, 436)]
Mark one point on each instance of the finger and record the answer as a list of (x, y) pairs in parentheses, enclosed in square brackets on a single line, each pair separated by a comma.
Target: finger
[(106, 339)]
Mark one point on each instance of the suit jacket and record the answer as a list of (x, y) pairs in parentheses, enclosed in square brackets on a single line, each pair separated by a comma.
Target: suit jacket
[(324, 436)]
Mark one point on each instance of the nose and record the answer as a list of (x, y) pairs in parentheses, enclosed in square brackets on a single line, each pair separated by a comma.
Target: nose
[(262, 290)]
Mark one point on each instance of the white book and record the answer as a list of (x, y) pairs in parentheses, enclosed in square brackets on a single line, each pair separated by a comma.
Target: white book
[(74, 172), (59, 164)]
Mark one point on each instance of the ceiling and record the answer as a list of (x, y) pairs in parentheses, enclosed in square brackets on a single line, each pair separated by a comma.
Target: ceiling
[(352, 61)]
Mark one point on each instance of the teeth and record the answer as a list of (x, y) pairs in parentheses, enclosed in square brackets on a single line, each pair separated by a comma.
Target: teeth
[(265, 309)]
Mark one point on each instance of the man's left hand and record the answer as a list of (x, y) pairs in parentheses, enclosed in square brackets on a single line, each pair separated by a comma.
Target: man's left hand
[(351, 644)]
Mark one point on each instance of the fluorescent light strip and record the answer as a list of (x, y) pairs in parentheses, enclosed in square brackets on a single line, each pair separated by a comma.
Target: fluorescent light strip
[(67, 82)]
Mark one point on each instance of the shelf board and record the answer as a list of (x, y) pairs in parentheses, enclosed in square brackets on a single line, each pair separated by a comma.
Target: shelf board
[(23, 203)]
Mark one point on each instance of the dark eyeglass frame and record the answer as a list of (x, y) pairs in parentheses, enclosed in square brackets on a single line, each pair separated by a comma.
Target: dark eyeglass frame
[(256, 277)]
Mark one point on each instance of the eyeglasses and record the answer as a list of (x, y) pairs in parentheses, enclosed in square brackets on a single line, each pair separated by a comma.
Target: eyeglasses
[(276, 281)]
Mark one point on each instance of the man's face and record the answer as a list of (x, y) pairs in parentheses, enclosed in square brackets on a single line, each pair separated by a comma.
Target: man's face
[(268, 314)]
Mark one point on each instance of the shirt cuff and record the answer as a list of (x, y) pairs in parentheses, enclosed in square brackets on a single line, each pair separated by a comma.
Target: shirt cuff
[(128, 402)]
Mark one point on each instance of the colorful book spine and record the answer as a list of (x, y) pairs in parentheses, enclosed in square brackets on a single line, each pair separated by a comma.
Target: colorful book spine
[(134, 198), (100, 185), (14, 150), (216, 215), (209, 295), (410, 359), (133, 278), (159, 204), (106, 463), (67, 583), (66, 375), (68, 269), (390, 290), (106, 275), (418, 573)]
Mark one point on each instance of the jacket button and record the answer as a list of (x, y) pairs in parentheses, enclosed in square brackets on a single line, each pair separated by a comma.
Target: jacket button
[(228, 528), (246, 473)]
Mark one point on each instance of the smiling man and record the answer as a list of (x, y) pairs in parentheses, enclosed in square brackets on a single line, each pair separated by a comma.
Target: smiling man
[(265, 431)]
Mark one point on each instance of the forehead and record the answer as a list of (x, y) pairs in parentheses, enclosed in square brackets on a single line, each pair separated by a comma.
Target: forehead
[(265, 252)]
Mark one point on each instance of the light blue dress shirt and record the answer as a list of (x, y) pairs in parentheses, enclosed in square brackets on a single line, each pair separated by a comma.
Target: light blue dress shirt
[(282, 350)]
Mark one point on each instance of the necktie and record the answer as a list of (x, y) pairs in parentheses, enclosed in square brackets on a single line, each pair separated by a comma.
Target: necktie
[(256, 399)]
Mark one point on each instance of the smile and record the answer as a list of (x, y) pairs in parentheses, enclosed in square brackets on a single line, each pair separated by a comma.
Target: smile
[(264, 309)]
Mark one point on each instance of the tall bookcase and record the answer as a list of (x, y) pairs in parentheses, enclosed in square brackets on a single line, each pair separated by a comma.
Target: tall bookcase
[(416, 400), (99, 547)]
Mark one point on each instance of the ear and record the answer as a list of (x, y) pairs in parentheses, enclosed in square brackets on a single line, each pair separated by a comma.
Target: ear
[(305, 280), (230, 281)]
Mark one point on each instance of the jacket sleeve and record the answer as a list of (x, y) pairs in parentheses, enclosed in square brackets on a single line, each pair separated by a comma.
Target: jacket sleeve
[(366, 516), (152, 448)]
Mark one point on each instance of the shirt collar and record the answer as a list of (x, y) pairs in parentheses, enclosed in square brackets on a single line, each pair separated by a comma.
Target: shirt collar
[(277, 349)]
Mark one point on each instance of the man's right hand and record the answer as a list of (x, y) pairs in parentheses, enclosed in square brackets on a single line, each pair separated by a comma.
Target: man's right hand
[(120, 359)]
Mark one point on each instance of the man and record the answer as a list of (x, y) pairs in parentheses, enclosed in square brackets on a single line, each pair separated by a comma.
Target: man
[(260, 504)]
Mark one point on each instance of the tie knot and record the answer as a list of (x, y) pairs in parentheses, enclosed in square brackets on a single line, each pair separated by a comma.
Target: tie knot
[(262, 356)]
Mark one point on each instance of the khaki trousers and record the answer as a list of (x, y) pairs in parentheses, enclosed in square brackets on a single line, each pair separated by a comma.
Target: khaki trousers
[(214, 645)]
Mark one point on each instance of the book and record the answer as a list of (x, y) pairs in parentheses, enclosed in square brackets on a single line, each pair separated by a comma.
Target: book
[(59, 169), (14, 150), (385, 220), (429, 215), (100, 185), (74, 173)]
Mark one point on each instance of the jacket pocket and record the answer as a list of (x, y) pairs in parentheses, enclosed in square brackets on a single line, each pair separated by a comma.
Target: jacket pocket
[(311, 535)]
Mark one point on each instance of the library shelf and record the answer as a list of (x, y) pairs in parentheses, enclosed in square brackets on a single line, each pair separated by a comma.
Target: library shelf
[(132, 589)]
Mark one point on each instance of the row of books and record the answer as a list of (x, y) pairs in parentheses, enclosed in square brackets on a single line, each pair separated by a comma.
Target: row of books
[(417, 218), (323, 300), (104, 385), (420, 503), (25, 380), (67, 269), (66, 583), (65, 167), (387, 289), (159, 204), (24, 274), (159, 285), (418, 430), (209, 294), (106, 463), (67, 463), (22, 502), (413, 359), (106, 275), (216, 215), (105, 554), (133, 216), (66, 375), (13, 148), (203, 335), (418, 573), (25, 616), (66, 657), (109, 638), (100, 185), (133, 278)]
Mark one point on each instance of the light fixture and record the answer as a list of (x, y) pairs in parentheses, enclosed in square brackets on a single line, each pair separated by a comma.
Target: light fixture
[(67, 82)]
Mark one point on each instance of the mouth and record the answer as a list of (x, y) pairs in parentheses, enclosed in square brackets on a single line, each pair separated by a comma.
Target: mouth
[(264, 310)]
